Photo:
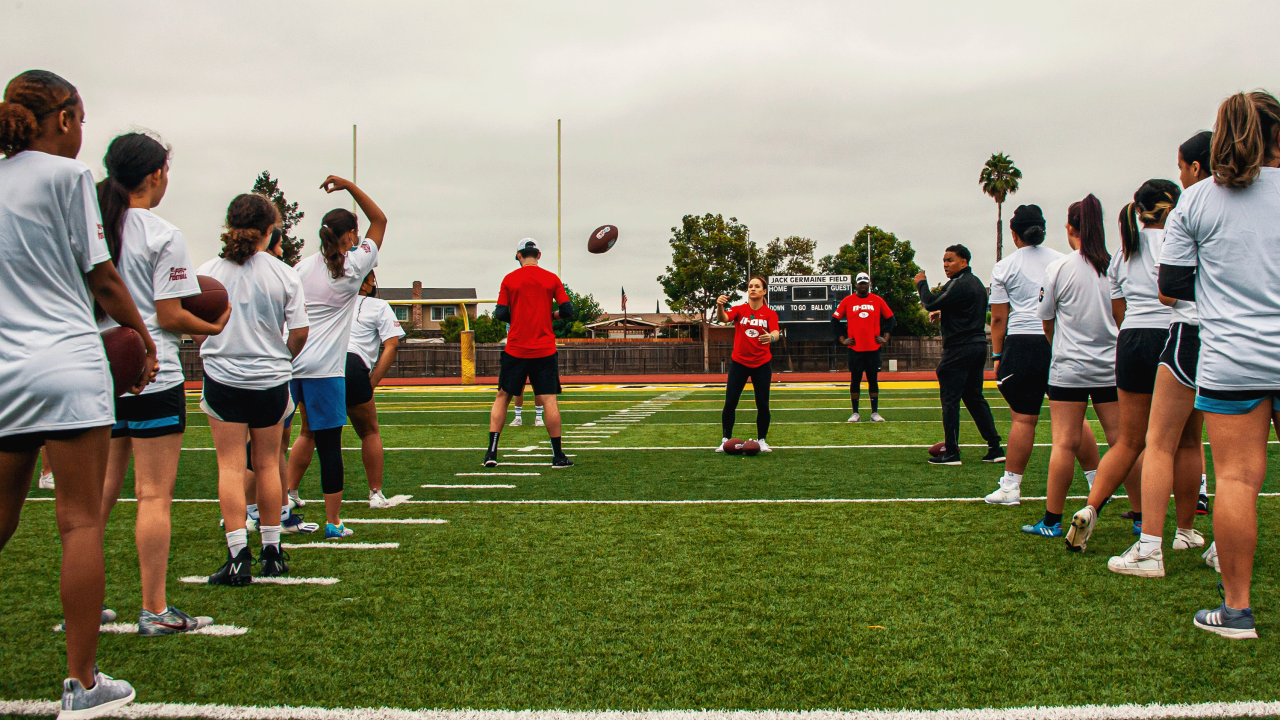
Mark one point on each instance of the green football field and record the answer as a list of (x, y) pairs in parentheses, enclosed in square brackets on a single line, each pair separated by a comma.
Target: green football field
[(839, 572)]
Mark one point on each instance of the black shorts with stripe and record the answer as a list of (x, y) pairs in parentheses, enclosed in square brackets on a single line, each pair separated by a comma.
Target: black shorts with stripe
[(255, 408), (1182, 352), (1023, 374), (151, 415)]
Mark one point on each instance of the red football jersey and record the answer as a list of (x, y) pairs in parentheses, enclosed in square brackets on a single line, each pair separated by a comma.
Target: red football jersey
[(748, 326), (864, 316), (531, 294)]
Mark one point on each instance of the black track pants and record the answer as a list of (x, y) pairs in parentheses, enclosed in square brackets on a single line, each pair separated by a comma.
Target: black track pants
[(960, 378), (760, 378)]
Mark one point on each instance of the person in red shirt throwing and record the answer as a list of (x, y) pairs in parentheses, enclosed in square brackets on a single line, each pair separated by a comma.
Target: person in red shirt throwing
[(529, 300), (869, 322), (755, 327)]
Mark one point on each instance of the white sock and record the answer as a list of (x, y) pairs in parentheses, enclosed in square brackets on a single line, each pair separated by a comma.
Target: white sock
[(1088, 477), (1204, 484), (517, 409), (270, 534), (237, 540), (1148, 544), (1011, 479), (252, 510), (538, 412)]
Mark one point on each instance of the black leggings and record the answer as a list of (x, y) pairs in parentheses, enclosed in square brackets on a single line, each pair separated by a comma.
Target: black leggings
[(329, 448), (738, 376)]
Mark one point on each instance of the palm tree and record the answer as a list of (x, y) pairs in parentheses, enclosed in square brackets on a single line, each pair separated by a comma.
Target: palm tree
[(999, 179)]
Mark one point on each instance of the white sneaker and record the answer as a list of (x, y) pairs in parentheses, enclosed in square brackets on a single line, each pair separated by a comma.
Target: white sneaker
[(1082, 524), (720, 447), (1188, 539), (517, 422), (46, 481), (378, 501), (875, 417), (1131, 563), (1211, 556), (250, 523), (856, 417), (1006, 494), (537, 422), (764, 446), (296, 500)]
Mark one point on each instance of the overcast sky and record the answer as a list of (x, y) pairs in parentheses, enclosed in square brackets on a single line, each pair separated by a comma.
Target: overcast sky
[(798, 118)]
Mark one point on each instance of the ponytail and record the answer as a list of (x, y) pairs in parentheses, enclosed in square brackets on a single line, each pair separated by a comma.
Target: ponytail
[(335, 225), (129, 160), (249, 217), (1244, 138), (1152, 203), (1086, 217), (28, 99)]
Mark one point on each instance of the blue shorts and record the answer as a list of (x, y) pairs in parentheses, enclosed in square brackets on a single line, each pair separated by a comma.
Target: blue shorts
[(323, 401), (1235, 402)]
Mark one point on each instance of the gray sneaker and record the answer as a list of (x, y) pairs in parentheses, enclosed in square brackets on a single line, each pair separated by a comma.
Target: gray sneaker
[(1234, 624), (105, 697), (171, 622), (108, 615)]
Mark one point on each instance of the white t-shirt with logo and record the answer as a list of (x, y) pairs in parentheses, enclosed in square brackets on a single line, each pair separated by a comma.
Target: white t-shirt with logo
[(53, 369), (266, 295), (372, 323), (330, 303), (1135, 280), (155, 265), (1078, 299), (1017, 280), (1232, 236)]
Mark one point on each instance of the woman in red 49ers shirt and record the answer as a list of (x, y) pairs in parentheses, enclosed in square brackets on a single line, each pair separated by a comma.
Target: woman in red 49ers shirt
[(755, 327)]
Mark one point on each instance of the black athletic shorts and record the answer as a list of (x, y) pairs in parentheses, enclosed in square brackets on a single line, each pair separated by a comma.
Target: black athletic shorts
[(152, 415), (26, 442), (1182, 352), (861, 361), (255, 408), (1137, 357), (543, 374), (359, 389), (1023, 375), (1100, 395)]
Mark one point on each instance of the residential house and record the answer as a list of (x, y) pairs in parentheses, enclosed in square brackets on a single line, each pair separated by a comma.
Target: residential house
[(426, 318)]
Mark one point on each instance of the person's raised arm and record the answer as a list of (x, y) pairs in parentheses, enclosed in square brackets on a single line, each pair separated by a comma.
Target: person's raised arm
[(721, 315), (928, 299), (109, 290), (377, 219)]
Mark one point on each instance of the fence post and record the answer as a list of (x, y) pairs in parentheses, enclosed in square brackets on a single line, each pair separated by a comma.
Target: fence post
[(468, 357)]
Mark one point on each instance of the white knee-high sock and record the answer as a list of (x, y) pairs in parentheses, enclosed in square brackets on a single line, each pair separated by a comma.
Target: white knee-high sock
[(237, 540)]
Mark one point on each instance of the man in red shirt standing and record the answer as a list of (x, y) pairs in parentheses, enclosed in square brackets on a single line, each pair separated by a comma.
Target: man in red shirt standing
[(869, 322), (529, 300)]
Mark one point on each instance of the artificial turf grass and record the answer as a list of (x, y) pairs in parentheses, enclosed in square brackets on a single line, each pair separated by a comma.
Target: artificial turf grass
[(666, 607)]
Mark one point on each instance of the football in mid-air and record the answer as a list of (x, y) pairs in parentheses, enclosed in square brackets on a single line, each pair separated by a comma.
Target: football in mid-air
[(733, 446), (127, 357), (210, 303), (751, 448), (937, 449), (602, 238)]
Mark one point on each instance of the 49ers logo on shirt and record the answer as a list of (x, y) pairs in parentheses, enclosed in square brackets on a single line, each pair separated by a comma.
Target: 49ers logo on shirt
[(177, 274)]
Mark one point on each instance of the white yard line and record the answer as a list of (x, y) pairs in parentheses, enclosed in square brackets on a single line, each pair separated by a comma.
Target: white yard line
[(477, 487), (1153, 711), (341, 545), (204, 580), (485, 474), (132, 629), (393, 521)]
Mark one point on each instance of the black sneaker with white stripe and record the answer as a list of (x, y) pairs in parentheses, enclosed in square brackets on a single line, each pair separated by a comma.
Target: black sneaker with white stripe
[(235, 571)]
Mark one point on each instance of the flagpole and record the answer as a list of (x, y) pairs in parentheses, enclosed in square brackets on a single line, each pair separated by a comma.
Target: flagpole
[(559, 269), (354, 181)]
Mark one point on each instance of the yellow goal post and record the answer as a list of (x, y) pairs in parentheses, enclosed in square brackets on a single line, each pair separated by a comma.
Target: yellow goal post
[(468, 335)]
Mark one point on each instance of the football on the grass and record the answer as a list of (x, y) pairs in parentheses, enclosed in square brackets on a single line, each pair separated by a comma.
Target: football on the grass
[(733, 446), (602, 238), (937, 449), (210, 303), (751, 448), (127, 356)]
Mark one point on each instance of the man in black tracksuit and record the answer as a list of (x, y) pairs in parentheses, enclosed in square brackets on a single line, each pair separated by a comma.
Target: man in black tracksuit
[(962, 303)]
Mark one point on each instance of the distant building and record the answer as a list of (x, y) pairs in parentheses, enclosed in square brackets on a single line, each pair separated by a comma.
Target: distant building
[(426, 318), (635, 326)]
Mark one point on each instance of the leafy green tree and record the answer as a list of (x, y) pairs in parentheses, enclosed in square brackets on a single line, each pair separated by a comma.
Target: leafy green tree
[(893, 269), (999, 179), (269, 188), (586, 310), (787, 256), (487, 329), (709, 258)]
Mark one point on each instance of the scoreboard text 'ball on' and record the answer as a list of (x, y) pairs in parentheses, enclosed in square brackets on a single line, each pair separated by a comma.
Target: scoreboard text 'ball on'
[(210, 303), (733, 446), (602, 238), (127, 357)]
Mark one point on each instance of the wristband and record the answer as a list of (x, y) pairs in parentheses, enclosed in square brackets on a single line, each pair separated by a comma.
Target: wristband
[(995, 356)]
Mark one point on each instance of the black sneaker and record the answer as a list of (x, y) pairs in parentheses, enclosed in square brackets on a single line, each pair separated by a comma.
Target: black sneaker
[(235, 571), (490, 459), (562, 461), (273, 561), (946, 458), (994, 455), (1202, 505)]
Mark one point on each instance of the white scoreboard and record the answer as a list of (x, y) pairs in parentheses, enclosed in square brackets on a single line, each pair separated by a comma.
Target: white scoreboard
[(804, 303)]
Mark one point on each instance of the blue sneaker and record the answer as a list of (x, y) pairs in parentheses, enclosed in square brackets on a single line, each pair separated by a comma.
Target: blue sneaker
[(1234, 624), (1040, 528), (1137, 527), (336, 532)]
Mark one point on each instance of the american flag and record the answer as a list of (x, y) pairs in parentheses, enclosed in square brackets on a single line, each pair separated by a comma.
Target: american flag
[(624, 299)]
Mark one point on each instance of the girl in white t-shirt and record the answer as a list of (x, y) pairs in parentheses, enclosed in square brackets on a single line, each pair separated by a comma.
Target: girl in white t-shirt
[(331, 280), (151, 256), (247, 371), (375, 339), (1075, 308), (55, 384)]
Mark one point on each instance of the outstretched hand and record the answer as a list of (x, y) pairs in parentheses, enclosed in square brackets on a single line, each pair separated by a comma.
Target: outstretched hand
[(333, 184)]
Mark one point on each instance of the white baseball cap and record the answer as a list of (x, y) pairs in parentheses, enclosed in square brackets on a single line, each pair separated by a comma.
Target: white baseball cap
[(863, 277), (526, 244)]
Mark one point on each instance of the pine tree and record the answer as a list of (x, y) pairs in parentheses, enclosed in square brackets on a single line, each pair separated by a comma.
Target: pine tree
[(269, 188)]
